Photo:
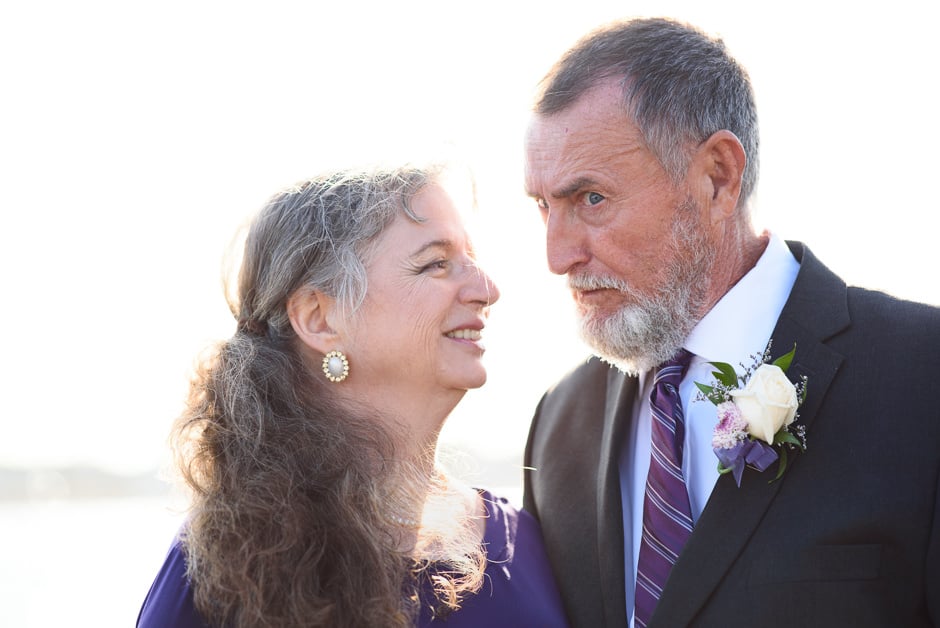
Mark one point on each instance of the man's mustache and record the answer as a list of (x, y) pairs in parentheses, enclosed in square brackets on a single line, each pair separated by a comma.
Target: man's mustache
[(593, 282)]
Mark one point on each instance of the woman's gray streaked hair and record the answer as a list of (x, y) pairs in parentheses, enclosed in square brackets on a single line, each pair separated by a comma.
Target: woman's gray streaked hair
[(680, 87), (319, 234), (290, 486)]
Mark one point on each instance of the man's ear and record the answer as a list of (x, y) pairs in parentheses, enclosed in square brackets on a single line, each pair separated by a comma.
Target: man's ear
[(310, 313), (720, 160)]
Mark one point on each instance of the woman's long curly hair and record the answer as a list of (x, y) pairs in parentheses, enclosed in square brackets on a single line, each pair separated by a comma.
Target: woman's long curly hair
[(288, 486)]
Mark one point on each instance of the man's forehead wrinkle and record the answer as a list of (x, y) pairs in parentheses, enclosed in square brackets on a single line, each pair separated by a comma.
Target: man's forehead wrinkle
[(581, 170), (562, 151)]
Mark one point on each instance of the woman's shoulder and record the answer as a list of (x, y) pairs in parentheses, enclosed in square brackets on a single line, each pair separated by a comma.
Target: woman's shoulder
[(509, 530), (518, 589), (170, 599)]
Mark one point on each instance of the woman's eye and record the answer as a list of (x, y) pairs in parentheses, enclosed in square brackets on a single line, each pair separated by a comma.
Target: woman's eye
[(440, 264), (593, 198)]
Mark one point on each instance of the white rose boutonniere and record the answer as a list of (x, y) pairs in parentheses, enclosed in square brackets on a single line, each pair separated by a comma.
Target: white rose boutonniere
[(756, 414), (768, 402)]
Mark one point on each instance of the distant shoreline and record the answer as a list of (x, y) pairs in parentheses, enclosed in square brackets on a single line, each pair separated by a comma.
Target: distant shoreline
[(77, 482), (89, 482)]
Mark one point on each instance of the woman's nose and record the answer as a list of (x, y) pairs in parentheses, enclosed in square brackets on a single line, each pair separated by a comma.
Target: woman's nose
[(481, 288)]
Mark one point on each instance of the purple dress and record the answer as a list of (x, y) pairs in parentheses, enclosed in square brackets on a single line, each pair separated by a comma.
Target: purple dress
[(518, 589)]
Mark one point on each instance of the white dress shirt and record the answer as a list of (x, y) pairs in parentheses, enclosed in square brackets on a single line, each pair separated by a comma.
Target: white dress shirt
[(736, 329)]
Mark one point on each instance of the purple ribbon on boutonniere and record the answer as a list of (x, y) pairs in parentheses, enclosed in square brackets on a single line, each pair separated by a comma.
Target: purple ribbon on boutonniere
[(755, 453)]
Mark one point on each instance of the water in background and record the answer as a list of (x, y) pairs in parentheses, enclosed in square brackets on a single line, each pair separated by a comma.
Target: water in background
[(88, 562), (81, 562)]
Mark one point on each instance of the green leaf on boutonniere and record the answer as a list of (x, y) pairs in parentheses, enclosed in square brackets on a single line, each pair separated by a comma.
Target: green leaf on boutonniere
[(784, 436), (784, 361), (783, 464), (725, 374), (710, 393)]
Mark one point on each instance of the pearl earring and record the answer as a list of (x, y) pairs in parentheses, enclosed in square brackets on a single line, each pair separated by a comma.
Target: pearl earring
[(335, 366)]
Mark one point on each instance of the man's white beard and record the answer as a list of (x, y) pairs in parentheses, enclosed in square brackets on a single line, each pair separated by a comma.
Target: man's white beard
[(652, 328)]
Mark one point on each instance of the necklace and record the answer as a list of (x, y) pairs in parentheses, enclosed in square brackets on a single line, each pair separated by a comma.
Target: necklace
[(403, 522)]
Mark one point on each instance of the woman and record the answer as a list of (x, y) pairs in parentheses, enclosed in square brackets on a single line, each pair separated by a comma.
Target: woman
[(309, 438)]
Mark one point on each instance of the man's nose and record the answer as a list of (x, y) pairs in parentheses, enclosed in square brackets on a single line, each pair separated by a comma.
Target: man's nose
[(565, 243)]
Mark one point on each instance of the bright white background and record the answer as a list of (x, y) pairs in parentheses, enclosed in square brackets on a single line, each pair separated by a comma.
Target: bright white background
[(136, 136)]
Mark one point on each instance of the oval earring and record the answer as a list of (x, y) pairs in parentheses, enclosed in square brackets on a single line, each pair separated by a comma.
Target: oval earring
[(335, 366)]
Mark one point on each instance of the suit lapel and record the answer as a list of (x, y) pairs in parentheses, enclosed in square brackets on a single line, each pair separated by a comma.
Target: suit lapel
[(815, 310), (621, 391)]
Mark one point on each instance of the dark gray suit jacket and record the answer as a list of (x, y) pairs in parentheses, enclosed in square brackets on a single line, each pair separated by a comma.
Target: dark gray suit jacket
[(850, 536)]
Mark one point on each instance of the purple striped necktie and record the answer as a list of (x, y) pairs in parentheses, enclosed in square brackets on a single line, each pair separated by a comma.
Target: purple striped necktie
[(667, 515)]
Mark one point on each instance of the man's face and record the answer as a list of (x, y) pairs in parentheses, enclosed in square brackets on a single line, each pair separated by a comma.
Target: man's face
[(626, 236)]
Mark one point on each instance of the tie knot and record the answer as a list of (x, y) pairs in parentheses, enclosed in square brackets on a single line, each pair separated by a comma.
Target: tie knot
[(683, 358), (673, 370)]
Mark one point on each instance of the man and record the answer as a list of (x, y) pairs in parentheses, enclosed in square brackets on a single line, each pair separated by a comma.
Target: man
[(642, 154)]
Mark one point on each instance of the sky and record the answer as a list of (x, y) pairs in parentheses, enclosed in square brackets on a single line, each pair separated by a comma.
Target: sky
[(136, 137)]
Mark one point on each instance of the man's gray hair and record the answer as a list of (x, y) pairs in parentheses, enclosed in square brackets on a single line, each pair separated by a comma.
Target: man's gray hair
[(680, 87)]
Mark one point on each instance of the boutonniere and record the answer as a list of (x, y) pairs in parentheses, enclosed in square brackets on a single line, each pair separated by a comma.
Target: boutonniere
[(756, 414)]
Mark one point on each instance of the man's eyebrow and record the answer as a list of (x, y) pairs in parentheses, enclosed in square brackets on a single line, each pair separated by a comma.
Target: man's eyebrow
[(575, 186)]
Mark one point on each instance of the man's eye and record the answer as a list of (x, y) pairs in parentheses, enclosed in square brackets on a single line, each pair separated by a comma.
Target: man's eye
[(593, 198), (542, 203)]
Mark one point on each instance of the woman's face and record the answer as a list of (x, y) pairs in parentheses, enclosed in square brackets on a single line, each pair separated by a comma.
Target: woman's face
[(418, 332)]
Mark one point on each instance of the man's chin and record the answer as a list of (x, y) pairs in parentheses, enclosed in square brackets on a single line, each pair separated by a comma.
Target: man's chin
[(597, 314), (627, 348), (629, 367), (628, 362)]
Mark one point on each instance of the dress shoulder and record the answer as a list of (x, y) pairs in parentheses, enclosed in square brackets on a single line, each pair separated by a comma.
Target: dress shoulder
[(169, 603), (518, 587)]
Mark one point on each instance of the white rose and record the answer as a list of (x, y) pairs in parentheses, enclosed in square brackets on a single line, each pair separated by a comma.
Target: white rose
[(767, 403)]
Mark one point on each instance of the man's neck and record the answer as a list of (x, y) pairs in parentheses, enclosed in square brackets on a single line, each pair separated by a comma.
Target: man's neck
[(737, 255)]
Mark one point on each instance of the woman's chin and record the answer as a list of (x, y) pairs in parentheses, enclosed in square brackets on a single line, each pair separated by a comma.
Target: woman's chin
[(473, 381)]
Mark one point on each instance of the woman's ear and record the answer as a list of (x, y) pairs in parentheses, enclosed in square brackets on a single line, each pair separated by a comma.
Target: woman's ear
[(310, 313), (721, 160)]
